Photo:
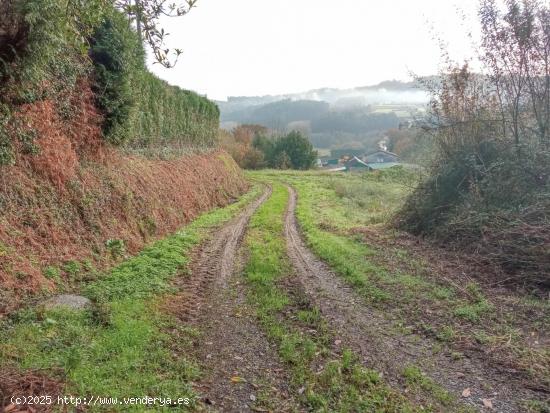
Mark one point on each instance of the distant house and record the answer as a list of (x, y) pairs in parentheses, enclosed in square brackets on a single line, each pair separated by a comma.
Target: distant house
[(356, 164), (383, 165), (380, 156)]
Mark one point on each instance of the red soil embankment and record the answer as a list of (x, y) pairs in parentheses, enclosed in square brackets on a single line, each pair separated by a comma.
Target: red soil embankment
[(66, 202), (124, 198)]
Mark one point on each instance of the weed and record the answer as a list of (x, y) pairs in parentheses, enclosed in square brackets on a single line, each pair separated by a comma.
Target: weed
[(52, 273), (116, 248), (446, 334), (473, 312), (417, 380), (72, 268), (536, 406)]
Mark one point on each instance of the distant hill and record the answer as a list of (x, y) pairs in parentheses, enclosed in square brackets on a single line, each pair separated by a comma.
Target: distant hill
[(387, 92), (331, 117)]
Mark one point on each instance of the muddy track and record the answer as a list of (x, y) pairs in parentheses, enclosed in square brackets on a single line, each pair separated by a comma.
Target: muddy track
[(240, 366), (370, 334)]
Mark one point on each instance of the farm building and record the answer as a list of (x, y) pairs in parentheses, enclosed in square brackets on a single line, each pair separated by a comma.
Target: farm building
[(356, 164), (380, 156)]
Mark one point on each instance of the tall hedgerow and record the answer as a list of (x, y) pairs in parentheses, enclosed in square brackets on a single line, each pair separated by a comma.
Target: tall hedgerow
[(47, 46), (139, 108)]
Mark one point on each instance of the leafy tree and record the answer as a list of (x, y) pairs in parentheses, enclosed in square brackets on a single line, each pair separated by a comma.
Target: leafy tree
[(298, 149), (265, 145), (282, 161), (253, 149)]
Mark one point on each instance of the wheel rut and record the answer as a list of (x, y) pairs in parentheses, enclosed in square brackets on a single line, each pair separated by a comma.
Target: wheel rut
[(368, 332), (241, 368)]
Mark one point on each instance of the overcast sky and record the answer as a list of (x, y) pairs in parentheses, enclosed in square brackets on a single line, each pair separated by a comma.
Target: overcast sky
[(258, 47)]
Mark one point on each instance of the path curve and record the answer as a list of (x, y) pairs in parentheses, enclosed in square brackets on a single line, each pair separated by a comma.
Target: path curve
[(366, 331)]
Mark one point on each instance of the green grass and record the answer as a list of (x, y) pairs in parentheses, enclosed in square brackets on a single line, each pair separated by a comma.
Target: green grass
[(418, 381), (331, 206), (120, 348), (335, 210), (322, 380)]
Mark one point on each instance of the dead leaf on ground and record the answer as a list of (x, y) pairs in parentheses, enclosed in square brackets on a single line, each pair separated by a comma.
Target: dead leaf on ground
[(237, 379), (466, 392), (487, 403)]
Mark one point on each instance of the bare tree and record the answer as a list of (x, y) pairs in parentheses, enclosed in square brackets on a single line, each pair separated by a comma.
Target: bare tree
[(147, 15), (515, 47)]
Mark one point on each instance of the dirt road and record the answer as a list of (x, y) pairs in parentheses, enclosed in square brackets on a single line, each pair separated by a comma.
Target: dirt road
[(369, 333), (242, 371)]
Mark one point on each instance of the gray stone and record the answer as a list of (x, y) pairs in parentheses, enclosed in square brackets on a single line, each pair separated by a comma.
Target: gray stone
[(70, 301)]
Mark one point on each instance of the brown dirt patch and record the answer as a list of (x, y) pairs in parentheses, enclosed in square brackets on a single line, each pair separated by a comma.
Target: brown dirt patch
[(14, 383)]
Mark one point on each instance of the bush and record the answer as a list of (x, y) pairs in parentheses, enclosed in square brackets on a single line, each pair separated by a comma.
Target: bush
[(488, 189)]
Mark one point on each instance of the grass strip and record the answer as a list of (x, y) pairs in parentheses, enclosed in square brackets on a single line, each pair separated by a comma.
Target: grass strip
[(323, 381)]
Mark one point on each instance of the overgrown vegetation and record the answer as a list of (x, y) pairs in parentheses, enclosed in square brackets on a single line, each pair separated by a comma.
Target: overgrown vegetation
[(488, 189)]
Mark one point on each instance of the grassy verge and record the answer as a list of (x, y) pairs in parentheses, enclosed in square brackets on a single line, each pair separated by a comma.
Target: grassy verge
[(323, 379), (118, 349), (335, 210)]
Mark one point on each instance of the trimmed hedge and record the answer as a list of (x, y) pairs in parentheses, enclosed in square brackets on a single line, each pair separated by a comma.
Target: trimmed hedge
[(50, 46), (141, 109)]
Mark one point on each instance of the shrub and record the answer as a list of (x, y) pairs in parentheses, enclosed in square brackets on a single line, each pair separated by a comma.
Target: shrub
[(488, 189)]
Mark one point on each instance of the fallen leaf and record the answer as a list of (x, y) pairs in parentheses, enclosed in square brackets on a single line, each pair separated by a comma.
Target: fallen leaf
[(237, 379), (487, 403), (337, 342), (252, 397), (466, 392)]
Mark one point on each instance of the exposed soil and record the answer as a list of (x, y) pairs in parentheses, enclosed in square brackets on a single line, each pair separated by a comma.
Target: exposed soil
[(242, 371), (370, 334), (14, 383)]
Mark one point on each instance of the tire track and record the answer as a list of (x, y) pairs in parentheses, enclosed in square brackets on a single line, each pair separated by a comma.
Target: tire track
[(241, 367), (369, 333)]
